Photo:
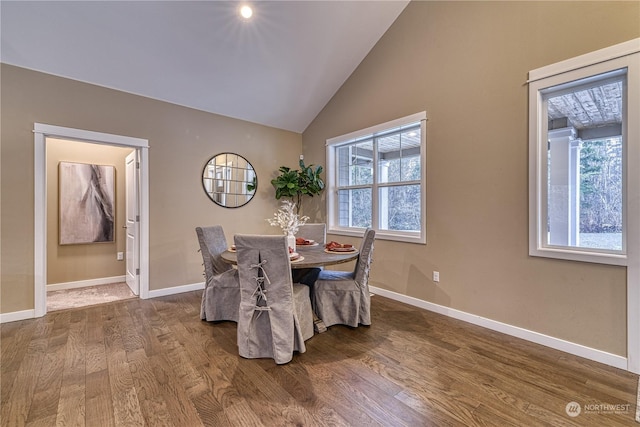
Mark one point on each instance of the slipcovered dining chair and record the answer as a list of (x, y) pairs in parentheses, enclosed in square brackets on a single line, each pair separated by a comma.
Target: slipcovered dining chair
[(221, 295), (275, 314), (342, 297), (313, 231)]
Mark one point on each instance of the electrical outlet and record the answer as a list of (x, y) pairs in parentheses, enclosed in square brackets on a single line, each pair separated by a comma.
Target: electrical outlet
[(301, 156), (436, 276), (120, 256)]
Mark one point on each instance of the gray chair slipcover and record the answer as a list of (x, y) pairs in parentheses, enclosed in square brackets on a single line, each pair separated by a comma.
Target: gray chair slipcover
[(275, 314), (313, 231), (221, 295), (342, 297)]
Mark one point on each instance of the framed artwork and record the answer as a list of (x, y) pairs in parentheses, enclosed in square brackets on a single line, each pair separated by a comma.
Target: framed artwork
[(87, 203)]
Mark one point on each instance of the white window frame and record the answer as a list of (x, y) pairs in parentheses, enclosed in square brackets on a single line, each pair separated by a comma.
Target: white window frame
[(622, 56), (333, 144)]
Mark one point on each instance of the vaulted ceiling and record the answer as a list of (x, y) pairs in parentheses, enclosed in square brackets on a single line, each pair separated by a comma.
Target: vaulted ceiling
[(279, 68)]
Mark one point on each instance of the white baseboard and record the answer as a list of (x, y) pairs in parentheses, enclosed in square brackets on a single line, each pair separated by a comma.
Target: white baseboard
[(85, 283), (538, 338), (30, 314), (176, 290), (17, 315)]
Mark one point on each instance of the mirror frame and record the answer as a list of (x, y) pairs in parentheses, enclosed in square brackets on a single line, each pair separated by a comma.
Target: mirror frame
[(226, 181)]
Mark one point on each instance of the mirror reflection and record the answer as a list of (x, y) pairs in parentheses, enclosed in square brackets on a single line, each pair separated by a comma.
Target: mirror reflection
[(229, 180)]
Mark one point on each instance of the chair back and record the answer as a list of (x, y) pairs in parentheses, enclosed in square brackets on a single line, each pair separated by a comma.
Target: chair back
[(212, 244), (363, 264), (313, 231), (267, 324)]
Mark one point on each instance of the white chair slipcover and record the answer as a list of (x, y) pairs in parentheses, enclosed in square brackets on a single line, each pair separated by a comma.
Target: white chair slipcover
[(221, 295), (342, 297), (275, 314)]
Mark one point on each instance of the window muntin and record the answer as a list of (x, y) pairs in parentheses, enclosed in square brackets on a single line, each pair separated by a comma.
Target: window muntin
[(355, 164), (377, 178), (399, 156)]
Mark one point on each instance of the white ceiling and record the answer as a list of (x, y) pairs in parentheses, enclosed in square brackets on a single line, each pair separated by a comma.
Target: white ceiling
[(278, 69)]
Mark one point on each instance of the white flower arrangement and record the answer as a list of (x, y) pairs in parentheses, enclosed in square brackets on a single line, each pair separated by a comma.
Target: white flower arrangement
[(287, 219)]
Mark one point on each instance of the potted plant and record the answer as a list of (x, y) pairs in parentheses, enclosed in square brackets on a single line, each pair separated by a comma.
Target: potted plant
[(294, 184)]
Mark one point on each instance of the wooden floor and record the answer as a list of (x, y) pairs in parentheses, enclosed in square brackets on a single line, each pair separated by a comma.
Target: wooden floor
[(153, 362)]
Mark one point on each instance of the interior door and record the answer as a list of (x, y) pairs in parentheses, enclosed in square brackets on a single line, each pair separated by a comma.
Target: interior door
[(132, 222)]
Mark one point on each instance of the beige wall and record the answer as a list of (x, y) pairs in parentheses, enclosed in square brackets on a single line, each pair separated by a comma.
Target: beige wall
[(70, 263), (466, 64), (181, 141)]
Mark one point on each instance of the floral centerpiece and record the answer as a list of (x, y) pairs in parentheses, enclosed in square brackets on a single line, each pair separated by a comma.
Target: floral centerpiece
[(288, 220)]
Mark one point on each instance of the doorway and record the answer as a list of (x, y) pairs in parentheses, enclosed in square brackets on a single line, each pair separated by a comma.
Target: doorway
[(87, 296), (139, 250)]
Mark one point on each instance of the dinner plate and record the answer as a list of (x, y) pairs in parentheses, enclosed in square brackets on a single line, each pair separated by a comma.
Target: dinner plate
[(298, 259), (309, 243), (338, 250)]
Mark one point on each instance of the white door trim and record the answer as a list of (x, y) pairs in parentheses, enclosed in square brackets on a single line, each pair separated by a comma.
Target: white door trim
[(41, 132)]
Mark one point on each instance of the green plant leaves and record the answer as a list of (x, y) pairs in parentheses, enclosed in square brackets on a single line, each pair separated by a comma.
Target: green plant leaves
[(294, 184)]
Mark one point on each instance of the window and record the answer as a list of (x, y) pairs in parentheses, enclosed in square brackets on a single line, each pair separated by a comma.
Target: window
[(375, 178), (582, 155)]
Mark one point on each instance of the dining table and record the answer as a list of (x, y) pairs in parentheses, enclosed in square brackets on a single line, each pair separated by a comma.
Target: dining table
[(310, 256)]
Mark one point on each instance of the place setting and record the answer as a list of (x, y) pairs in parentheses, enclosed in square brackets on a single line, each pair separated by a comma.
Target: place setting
[(300, 241), (335, 247), (295, 256)]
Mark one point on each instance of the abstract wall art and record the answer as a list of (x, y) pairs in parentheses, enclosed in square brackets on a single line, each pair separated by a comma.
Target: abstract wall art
[(87, 203)]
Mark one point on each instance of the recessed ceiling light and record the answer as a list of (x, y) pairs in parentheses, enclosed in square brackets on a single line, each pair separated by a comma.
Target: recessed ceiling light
[(246, 11)]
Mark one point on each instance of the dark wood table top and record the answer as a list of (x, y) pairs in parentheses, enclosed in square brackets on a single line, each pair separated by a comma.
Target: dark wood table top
[(311, 256)]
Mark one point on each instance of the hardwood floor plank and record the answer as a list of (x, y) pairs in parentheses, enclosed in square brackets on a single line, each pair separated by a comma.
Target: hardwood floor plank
[(200, 387), (152, 345), (14, 344), (42, 422), (71, 406), (99, 406), (394, 370), (96, 354), (14, 340), (155, 363), (268, 401), (124, 397), (15, 409), (329, 394), (297, 380), (152, 404), (47, 392), (173, 369), (370, 389), (181, 409), (221, 393)]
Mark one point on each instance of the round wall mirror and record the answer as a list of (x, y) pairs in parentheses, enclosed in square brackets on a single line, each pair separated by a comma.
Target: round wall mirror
[(229, 180)]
